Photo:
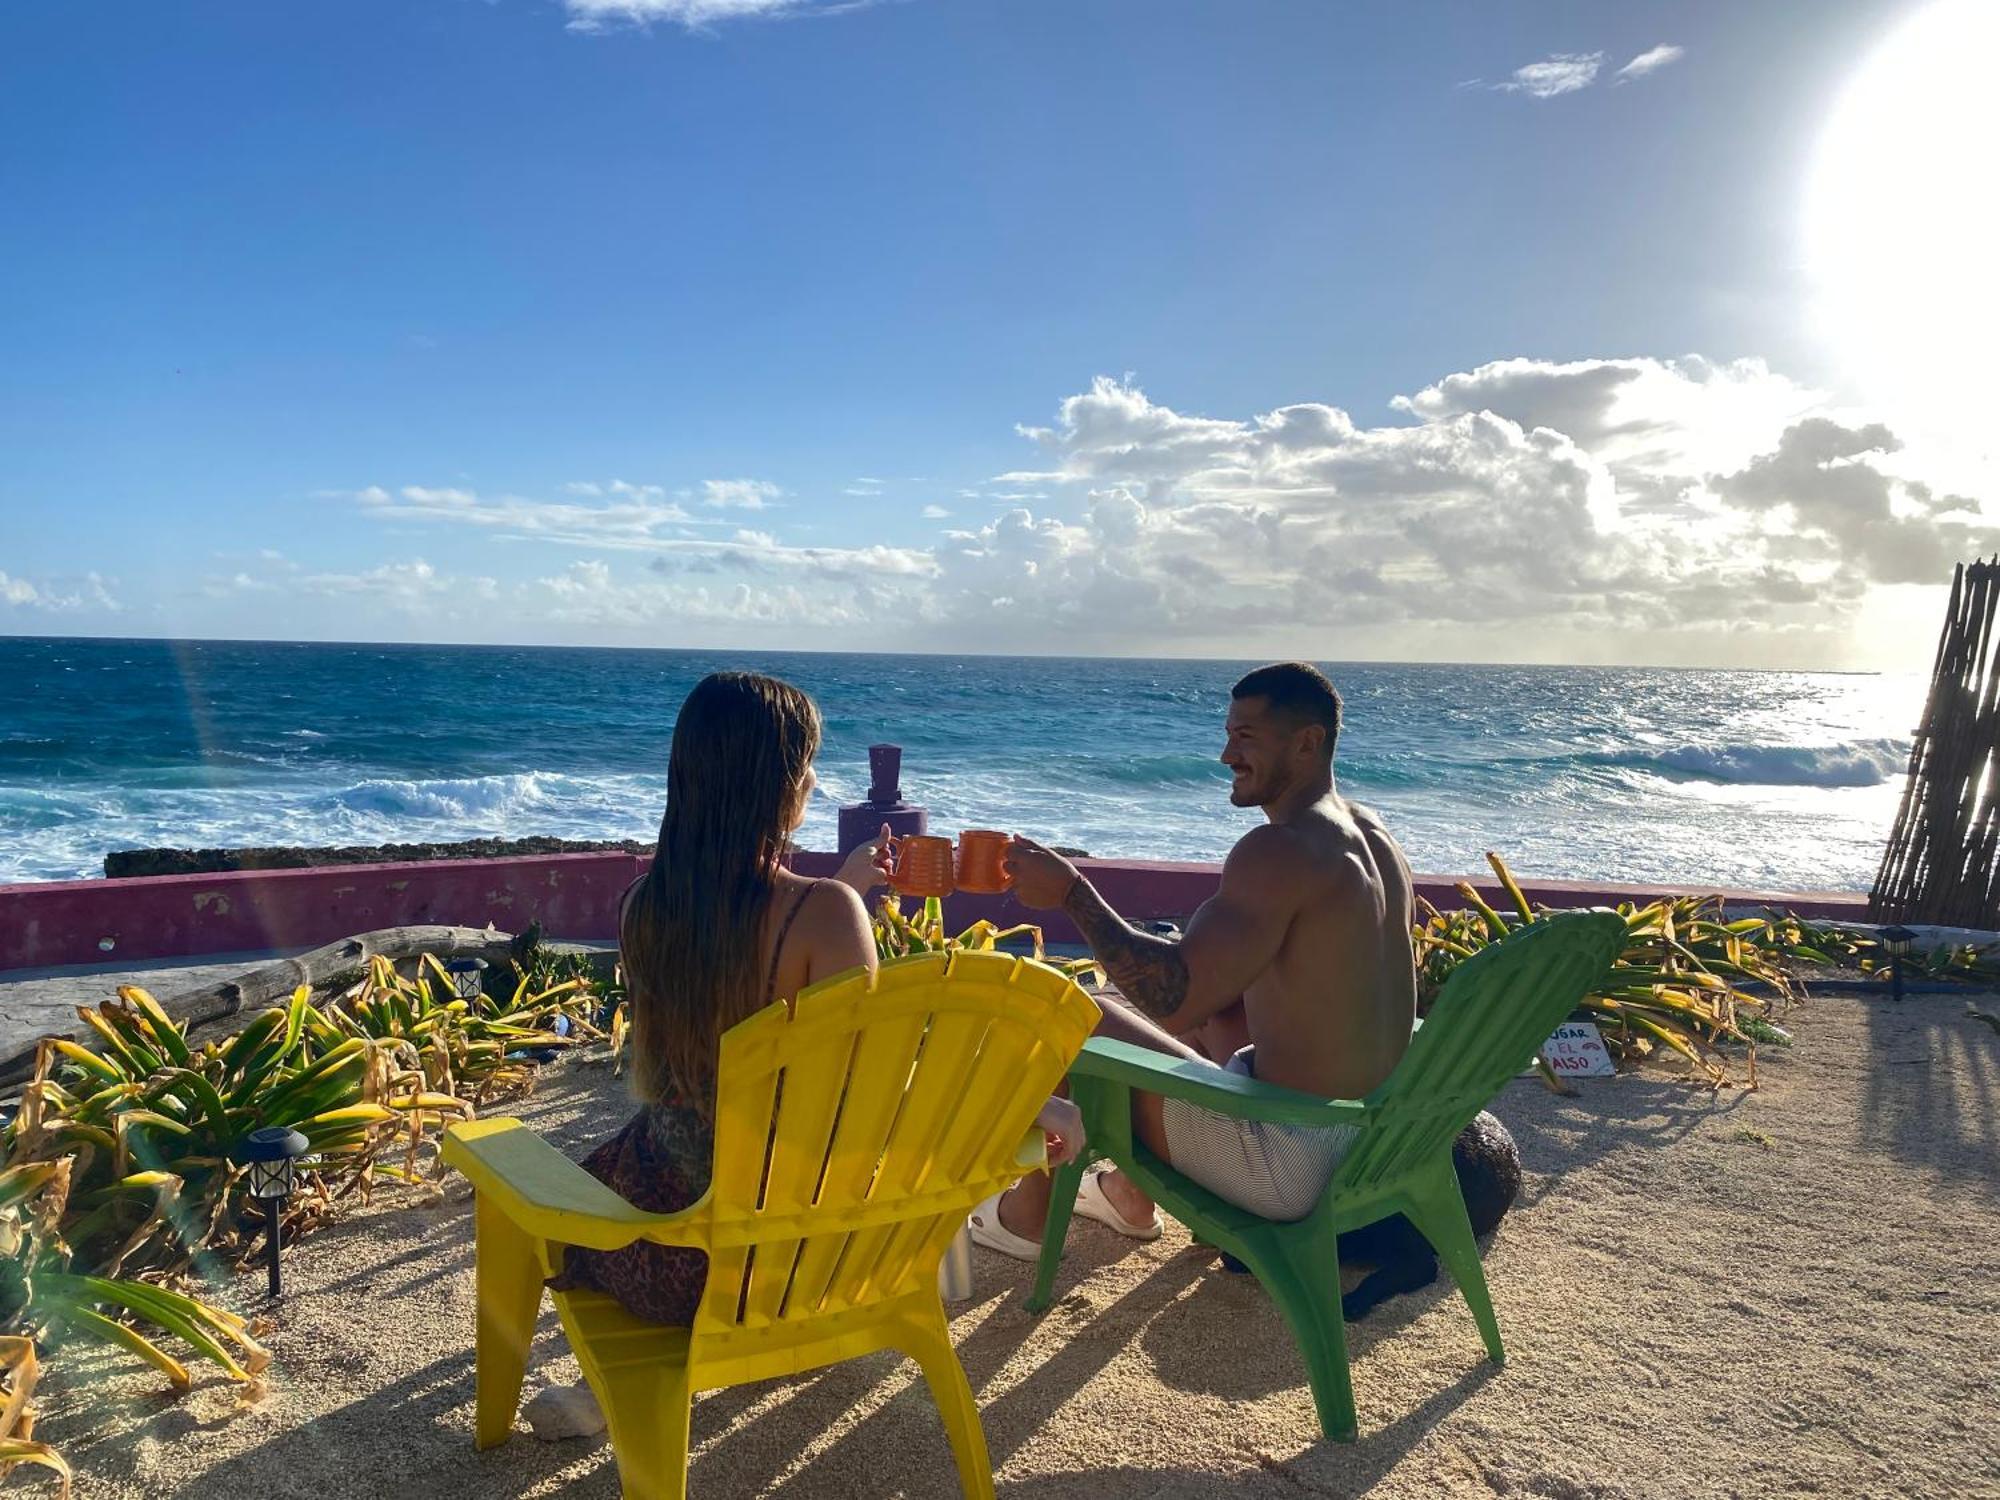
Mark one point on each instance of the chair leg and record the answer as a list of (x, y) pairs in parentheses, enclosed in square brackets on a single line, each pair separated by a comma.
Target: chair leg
[(647, 1408), (929, 1344), (1439, 1213), (1299, 1265), (1062, 1201), (509, 1292)]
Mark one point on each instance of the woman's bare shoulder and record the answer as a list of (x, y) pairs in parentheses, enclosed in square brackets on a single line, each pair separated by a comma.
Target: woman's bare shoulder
[(834, 903), (815, 906), (836, 927)]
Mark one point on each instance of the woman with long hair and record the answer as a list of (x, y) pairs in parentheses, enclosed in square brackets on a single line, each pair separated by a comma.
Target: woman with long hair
[(714, 931), (717, 929)]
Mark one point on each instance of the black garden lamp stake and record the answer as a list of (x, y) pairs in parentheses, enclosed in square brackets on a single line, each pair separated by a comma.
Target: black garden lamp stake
[(270, 1152), (1897, 940), (468, 977)]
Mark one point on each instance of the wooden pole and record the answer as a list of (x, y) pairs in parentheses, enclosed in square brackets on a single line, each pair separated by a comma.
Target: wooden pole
[(1942, 861)]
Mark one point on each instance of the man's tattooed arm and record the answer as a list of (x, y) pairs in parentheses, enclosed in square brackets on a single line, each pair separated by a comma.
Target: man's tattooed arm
[(1149, 971)]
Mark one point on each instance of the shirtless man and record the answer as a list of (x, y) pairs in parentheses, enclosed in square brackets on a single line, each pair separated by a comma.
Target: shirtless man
[(1310, 928)]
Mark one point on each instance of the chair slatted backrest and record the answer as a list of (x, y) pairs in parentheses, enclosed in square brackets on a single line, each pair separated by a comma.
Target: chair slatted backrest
[(857, 1128), (1492, 1015)]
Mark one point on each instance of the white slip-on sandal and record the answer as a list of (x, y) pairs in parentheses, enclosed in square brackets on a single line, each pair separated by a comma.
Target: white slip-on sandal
[(983, 1223), (1092, 1203)]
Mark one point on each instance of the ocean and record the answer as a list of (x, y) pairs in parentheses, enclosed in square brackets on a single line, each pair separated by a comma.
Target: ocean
[(1776, 779)]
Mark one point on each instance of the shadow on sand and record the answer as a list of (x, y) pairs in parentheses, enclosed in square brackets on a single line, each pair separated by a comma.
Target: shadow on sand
[(1933, 1077), (768, 1437), (418, 1429), (1557, 1135)]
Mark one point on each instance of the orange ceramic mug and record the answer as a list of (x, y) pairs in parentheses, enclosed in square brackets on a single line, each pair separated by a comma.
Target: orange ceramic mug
[(923, 865), (982, 857)]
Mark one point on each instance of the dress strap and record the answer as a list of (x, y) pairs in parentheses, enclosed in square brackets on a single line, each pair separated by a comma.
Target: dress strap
[(625, 901), (778, 948)]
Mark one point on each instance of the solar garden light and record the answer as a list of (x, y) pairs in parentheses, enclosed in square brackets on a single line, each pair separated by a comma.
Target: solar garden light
[(1897, 940), (468, 977), (270, 1152)]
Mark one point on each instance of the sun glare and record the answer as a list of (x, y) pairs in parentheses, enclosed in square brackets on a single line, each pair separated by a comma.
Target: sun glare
[(1901, 215)]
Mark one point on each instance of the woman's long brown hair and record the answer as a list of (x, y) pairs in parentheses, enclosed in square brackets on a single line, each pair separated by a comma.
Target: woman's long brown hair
[(689, 940)]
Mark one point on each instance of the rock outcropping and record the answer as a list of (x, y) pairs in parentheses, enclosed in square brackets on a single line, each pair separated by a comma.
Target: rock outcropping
[(122, 863)]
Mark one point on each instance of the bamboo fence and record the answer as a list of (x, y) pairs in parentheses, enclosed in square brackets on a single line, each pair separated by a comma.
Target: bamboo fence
[(1940, 863)]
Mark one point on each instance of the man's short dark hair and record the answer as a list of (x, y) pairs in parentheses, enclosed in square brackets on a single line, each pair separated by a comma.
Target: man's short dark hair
[(1300, 691)]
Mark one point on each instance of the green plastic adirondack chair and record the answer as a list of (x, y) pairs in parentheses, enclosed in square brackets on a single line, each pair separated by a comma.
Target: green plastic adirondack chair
[(1494, 1011)]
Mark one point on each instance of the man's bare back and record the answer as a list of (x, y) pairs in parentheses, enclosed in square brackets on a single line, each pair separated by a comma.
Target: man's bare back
[(1332, 1013)]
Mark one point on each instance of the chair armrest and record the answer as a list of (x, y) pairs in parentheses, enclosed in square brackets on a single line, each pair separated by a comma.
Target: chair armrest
[(1032, 1155), (552, 1197), (1210, 1087)]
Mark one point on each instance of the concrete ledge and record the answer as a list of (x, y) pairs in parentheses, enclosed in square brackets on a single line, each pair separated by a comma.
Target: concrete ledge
[(121, 922)]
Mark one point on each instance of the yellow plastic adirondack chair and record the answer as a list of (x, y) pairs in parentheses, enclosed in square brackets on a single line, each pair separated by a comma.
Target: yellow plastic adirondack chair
[(854, 1132)]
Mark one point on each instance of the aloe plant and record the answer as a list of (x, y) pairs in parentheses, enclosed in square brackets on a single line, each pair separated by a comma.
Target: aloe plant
[(149, 1122), (898, 935), (20, 1369), (1677, 986), (116, 1172), (42, 1299)]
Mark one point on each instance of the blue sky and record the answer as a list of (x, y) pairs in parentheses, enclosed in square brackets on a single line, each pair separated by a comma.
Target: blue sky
[(650, 324)]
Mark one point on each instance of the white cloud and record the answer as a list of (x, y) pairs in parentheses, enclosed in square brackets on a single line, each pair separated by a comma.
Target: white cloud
[(1609, 501), (1687, 415), (1828, 478), (85, 592), (582, 598), (1558, 73), (633, 516), (1650, 61), (739, 494), (697, 15), (1613, 509), (634, 519), (593, 575), (411, 585)]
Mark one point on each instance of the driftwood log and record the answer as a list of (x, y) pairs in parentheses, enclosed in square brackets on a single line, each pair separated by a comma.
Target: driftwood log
[(333, 967)]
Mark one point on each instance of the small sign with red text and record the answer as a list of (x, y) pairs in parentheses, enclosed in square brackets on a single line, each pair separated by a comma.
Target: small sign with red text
[(1577, 1051)]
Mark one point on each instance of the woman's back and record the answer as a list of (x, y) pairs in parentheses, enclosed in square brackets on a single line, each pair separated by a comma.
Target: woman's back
[(661, 1160), (715, 930)]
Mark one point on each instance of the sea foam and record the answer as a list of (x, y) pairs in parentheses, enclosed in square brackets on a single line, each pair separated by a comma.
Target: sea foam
[(1856, 763), (474, 797)]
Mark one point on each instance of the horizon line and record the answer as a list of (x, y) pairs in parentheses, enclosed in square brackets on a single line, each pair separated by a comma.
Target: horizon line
[(1353, 661)]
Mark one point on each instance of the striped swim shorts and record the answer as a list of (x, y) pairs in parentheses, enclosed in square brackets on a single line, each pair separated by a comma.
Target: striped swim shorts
[(1275, 1171)]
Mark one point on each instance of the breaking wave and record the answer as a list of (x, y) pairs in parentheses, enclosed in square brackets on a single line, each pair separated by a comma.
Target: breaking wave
[(1856, 763), (476, 798)]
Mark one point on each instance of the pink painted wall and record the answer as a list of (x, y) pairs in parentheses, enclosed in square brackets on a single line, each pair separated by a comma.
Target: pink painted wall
[(174, 916), (573, 896)]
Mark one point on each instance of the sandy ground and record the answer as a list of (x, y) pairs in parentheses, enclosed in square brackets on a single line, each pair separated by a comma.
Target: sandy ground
[(1788, 1292)]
